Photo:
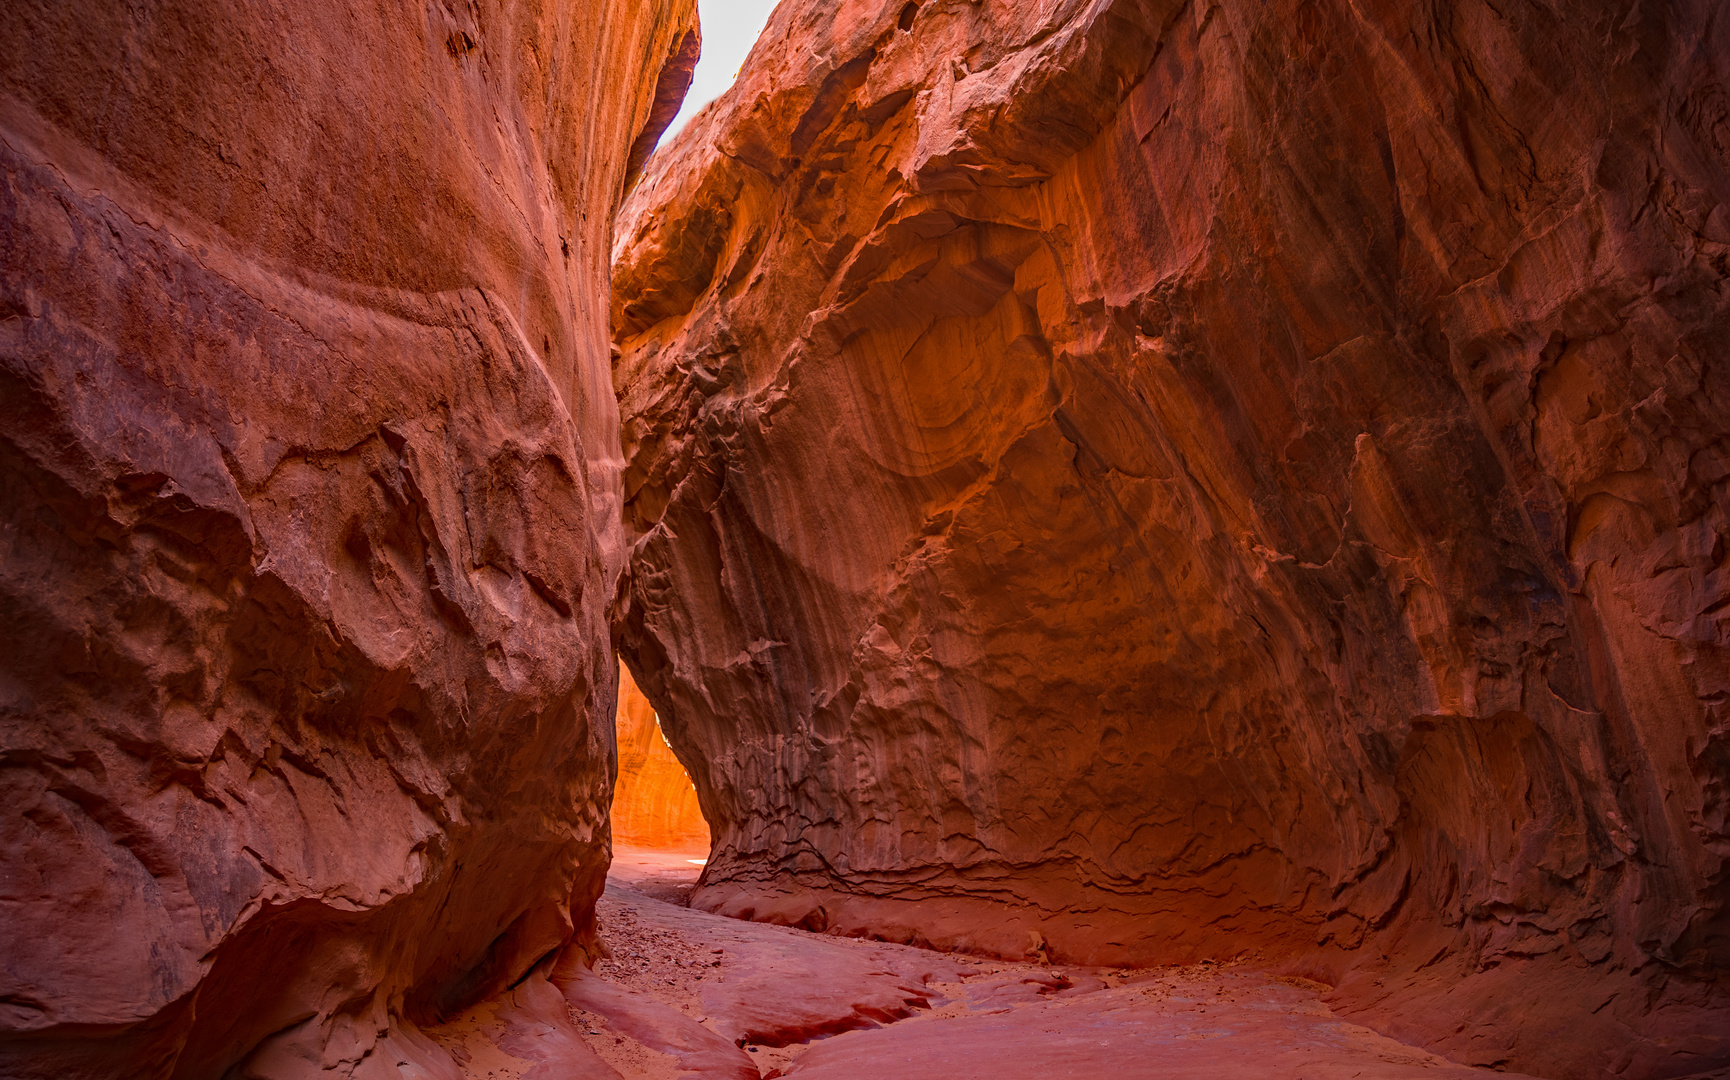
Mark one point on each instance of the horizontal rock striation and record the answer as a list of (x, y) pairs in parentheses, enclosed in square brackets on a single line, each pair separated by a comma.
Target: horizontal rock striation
[(1138, 480), (309, 502)]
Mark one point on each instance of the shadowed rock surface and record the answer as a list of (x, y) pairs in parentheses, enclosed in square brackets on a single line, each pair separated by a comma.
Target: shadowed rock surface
[(687, 992), (309, 503), (1130, 480)]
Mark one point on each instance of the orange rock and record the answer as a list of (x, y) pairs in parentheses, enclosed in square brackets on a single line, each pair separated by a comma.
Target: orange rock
[(1133, 481), (309, 493), (654, 804)]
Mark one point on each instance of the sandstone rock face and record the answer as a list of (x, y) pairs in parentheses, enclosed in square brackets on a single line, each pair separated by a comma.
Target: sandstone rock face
[(309, 497), (1135, 480), (654, 804)]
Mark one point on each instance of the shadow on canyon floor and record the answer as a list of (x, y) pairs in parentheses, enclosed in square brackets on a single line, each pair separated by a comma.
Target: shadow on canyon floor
[(687, 993)]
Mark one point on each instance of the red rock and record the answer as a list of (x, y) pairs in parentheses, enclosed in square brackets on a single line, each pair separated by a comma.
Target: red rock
[(775, 986), (1130, 481), (1233, 1026), (526, 1032), (309, 500), (960, 1019), (654, 804), (656, 1025), (1020, 987)]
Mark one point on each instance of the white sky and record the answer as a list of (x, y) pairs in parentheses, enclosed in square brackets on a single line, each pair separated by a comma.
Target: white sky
[(730, 28)]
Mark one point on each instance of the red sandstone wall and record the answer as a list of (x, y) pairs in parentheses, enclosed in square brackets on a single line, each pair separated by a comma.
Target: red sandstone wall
[(1139, 480), (308, 517), (654, 804)]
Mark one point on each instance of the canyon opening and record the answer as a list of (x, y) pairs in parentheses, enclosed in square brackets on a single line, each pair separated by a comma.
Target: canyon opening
[(655, 807), (1139, 538)]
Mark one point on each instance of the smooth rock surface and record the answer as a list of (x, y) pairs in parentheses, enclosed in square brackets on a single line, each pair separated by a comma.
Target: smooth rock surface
[(1188, 1026), (309, 504), (1131, 481), (654, 804), (525, 1033)]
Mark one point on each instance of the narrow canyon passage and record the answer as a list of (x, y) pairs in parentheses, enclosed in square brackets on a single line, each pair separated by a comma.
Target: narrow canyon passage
[(680, 992), (1144, 538)]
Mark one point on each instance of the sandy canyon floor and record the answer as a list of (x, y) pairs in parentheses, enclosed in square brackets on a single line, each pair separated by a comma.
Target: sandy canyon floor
[(689, 993)]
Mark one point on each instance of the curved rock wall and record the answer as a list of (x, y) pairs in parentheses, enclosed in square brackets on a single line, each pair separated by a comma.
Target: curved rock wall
[(309, 497), (1139, 480), (654, 804)]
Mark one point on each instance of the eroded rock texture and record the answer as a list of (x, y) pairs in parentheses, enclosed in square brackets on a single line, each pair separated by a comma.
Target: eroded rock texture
[(308, 516), (654, 804), (1137, 480)]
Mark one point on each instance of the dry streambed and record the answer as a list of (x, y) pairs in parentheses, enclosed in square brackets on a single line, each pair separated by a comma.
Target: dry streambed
[(688, 993)]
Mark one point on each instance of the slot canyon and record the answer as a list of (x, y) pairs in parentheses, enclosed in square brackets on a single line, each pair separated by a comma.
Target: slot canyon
[(1135, 538)]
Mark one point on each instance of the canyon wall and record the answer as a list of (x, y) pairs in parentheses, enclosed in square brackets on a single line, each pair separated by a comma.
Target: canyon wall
[(309, 516), (1139, 480), (654, 804)]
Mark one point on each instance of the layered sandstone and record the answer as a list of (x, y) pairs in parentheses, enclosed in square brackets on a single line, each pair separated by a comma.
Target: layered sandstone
[(309, 503), (1138, 480), (654, 804)]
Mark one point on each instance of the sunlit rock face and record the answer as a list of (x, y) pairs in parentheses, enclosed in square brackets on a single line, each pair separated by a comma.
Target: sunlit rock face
[(309, 505), (1131, 481), (654, 804)]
